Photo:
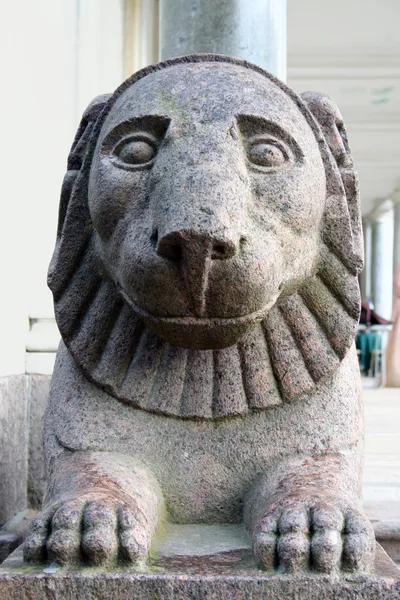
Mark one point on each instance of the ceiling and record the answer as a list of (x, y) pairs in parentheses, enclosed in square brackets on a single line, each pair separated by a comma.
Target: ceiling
[(350, 50)]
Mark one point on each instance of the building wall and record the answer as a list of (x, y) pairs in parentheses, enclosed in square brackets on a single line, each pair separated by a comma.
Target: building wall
[(57, 55)]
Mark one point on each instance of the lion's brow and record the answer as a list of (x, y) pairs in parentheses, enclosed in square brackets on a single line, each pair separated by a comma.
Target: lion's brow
[(258, 125)]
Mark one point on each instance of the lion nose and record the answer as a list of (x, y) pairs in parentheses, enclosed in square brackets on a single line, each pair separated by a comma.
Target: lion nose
[(177, 245), (193, 252)]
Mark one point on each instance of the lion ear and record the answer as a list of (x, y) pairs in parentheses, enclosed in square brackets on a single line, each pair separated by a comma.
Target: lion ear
[(77, 153), (74, 167), (343, 230)]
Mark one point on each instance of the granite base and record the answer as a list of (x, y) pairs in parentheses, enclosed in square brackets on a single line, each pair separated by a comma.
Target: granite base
[(196, 563)]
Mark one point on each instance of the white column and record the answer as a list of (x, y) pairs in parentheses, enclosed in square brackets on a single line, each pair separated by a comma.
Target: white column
[(99, 60), (396, 234), (382, 264), (251, 29), (141, 33), (366, 291)]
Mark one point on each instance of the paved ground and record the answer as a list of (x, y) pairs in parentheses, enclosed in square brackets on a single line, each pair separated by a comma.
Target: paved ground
[(382, 454)]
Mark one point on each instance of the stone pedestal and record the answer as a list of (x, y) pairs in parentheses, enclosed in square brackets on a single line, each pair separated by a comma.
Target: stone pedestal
[(23, 399), (195, 562), (14, 400)]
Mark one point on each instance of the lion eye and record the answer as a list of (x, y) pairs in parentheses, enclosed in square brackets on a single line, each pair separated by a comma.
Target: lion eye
[(135, 152), (266, 154)]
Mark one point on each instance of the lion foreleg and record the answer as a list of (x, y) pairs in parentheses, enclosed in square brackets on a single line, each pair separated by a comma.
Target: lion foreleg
[(99, 507), (307, 514)]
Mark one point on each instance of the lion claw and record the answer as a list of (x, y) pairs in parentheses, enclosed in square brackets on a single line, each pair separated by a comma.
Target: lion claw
[(96, 531), (322, 538)]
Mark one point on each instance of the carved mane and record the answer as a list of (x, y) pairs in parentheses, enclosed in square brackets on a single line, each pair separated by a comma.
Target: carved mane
[(301, 341)]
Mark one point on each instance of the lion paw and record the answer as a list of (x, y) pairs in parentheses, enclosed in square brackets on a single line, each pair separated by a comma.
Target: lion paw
[(321, 537), (96, 532)]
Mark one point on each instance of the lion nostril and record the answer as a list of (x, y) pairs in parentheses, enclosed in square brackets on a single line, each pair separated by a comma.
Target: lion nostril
[(154, 237), (174, 252), (170, 250), (176, 246), (219, 250), (222, 251)]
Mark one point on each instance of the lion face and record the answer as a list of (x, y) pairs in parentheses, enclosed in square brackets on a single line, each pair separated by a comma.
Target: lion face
[(206, 194), (209, 241)]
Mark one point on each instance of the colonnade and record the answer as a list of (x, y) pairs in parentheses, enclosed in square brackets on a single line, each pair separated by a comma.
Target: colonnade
[(382, 254)]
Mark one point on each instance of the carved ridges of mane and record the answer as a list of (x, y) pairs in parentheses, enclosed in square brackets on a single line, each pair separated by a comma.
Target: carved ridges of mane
[(141, 373), (343, 231), (229, 396), (76, 298), (259, 381), (337, 233), (287, 361), (318, 356), (351, 185), (96, 325), (342, 283), (277, 361), (181, 376), (71, 247), (66, 191), (77, 153), (338, 325), (166, 392), (337, 236), (198, 389), (119, 349)]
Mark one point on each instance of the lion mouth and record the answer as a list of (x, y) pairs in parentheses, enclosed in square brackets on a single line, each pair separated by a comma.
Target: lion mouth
[(200, 322), (200, 333)]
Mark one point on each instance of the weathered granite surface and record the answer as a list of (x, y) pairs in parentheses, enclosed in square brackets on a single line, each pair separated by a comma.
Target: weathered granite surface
[(23, 399), (39, 395), (197, 563), (14, 532), (13, 445), (205, 287)]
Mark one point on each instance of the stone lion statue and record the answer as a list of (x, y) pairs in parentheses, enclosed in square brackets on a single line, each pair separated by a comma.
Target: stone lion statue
[(205, 287)]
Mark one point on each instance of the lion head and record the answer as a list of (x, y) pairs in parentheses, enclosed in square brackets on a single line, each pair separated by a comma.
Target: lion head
[(209, 240)]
